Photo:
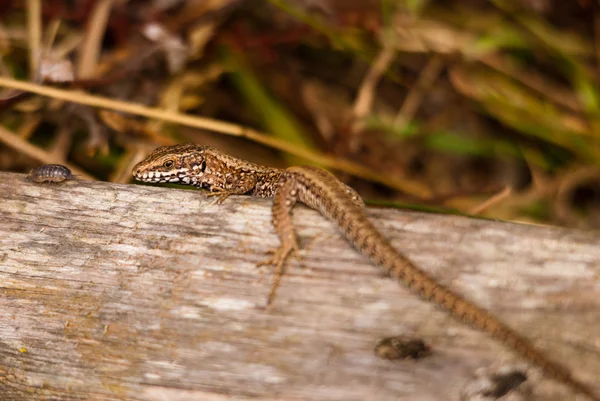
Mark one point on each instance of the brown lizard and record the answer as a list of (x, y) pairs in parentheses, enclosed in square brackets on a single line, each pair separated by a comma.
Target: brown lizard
[(224, 175)]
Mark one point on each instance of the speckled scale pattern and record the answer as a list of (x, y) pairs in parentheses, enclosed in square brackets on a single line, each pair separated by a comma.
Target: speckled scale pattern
[(211, 169)]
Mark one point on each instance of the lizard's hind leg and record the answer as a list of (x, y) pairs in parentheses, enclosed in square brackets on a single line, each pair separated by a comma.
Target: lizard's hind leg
[(284, 201)]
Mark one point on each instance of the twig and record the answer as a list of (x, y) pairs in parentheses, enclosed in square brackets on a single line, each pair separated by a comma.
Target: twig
[(90, 51), (29, 125), (413, 100), (62, 143), (493, 200), (51, 33)]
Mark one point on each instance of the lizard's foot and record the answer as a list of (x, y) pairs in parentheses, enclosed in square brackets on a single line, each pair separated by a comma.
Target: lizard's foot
[(278, 259), (222, 195), (281, 254)]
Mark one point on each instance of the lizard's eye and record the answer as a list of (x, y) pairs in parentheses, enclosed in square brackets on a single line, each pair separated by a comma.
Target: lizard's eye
[(169, 163)]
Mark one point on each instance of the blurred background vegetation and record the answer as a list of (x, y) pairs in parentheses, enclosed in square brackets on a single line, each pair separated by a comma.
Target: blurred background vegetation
[(479, 107)]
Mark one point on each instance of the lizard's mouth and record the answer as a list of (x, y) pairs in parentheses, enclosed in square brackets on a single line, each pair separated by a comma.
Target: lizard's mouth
[(155, 176)]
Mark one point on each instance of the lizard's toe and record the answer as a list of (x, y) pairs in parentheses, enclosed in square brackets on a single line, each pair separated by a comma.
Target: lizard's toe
[(281, 254), (277, 258)]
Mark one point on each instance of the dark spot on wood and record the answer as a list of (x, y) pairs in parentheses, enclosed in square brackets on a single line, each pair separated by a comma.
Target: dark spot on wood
[(401, 347)]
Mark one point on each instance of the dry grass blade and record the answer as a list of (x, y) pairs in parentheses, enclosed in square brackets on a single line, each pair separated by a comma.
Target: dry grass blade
[(560, 95), (409, 187), (415, 96), (34, 26)]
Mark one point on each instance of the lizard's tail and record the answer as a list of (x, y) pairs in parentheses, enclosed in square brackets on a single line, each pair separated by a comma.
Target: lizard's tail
[(381, 252), (484, 321)]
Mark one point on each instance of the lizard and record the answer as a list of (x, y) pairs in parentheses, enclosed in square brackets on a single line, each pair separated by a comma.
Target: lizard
[(223, 175)]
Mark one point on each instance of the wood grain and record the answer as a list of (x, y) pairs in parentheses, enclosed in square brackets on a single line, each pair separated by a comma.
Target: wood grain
[(129, 292)]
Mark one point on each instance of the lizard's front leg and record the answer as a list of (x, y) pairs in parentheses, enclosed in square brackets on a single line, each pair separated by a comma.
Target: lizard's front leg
[(232, 187), (283, 203), (223, 193)]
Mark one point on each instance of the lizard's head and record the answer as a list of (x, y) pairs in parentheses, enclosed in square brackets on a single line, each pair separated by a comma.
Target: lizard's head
[(176, 164)]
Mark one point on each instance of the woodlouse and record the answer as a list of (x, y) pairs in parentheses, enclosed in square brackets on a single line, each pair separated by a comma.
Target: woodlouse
[(50, 173)]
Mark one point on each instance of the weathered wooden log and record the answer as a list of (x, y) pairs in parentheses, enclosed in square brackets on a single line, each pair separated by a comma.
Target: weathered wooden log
[(130, 292)]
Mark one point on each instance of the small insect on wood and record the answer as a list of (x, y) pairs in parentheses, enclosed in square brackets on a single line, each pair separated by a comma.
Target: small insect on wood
[(50, 173)]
